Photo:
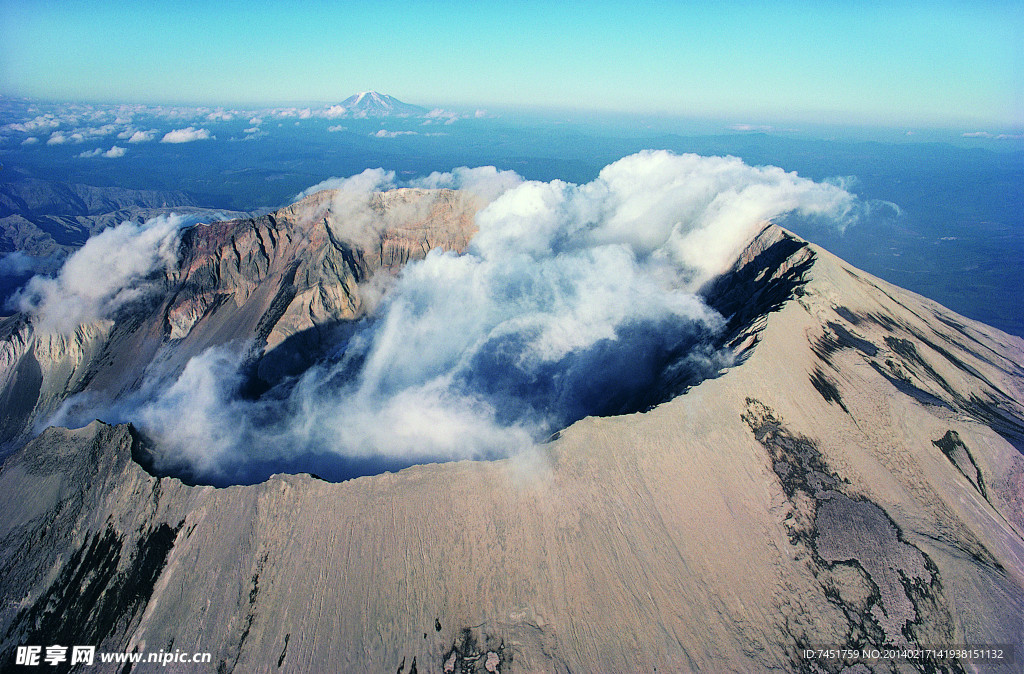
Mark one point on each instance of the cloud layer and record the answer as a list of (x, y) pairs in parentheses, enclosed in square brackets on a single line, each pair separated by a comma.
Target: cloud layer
[(370, 180), (142, 136), (69, 124), (486, 182)]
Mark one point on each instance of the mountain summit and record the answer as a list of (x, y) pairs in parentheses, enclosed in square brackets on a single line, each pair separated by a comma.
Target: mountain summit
[(373, 104)]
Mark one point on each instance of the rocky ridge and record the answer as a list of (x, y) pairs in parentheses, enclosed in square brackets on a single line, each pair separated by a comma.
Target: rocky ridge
[(46, 218)]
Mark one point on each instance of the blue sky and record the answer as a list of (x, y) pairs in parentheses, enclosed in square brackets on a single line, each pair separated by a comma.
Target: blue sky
[(922, 63)]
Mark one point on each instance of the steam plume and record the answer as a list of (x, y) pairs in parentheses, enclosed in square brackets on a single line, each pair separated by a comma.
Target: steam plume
[(572, 300)]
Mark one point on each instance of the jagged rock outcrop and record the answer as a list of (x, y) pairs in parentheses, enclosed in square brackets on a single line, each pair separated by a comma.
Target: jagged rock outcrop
[(856, 480), (300, 267)]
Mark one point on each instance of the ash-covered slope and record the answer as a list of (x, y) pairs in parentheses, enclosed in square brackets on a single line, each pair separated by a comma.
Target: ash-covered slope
[(856, 480), (282, 282)]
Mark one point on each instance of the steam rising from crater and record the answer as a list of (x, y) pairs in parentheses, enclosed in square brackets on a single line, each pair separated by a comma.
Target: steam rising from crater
[(106, 273), (572, 300)]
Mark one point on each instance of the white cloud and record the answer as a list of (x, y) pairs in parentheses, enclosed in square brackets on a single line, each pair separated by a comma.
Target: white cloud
[(176, 113), (143, 136), (487, 182), (97, 131), (994, 136), (35, 125), (109, 271), (31, 140), (186, 135), (441, 115), (112, 153), (693, 212), (336, 128), (57, 138), (19, 263), (564, 289), (370, 180), (334, 112), (752, 127), (204, 391), (384, 133), (361, 224)]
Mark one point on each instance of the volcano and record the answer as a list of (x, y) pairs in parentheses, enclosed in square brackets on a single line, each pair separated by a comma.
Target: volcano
[(373, 104), (852, 477)]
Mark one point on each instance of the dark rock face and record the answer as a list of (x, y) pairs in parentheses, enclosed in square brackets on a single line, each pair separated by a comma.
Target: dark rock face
[(960, 456), (18, 399), (889, 592), (92, 585), (100, 593), (473, 653), (827, 388), (770, 271), (911, 361)]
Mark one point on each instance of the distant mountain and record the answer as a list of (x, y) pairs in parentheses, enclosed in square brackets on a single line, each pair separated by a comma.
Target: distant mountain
[(373, 104)]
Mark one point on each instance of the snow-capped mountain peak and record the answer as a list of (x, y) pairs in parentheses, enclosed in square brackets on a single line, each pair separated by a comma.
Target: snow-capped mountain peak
[(374, 104)]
